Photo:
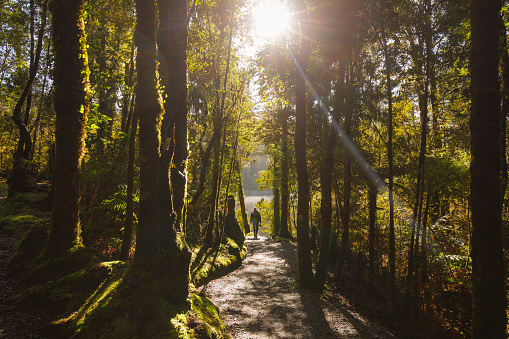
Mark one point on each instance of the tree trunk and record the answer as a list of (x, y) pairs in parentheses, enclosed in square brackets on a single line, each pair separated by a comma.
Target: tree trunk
[(306, 277), (424, 240), (106, 98), (205, 160), (284, 231), (326, 184), (128, 79), (489, 316), (372, 195), (128, 222), (277, 201), (42, 106), (149, 109), (71, 106), (423, 77), (344, 250), (505, 110), (390, 158), (217, 148), (176, 99), (241, 199), (21, 176)]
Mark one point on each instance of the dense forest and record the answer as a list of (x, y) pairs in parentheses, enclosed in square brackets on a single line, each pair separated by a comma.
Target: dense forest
[(130, 124)]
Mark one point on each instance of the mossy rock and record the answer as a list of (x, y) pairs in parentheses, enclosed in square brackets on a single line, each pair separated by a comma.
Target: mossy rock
[(19, 213), (229, 258), (29, 248), (23, 203), (30, 264), (233, 231), (52, 268), (17, 225), (21, 179), (282, 239), (205, 319)]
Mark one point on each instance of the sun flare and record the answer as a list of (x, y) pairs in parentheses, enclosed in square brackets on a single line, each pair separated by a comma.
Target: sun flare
[(271, 19)]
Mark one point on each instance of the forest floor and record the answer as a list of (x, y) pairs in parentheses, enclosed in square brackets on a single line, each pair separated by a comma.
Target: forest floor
[(262, 300), (14, 323)]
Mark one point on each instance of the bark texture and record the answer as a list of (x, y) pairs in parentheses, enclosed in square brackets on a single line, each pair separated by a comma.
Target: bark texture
[(149, 110), (161, 256), (488, 273), (284, 230), (71, 106), (174, 147), (306, 277)]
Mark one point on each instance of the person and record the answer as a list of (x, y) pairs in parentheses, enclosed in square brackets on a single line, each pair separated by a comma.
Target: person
[(256, 220)]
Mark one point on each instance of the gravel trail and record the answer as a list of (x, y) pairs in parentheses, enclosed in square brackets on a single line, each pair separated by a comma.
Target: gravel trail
[(262, 300)]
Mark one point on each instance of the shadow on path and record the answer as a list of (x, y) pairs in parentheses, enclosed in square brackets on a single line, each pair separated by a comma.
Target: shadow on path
[(262, 300)]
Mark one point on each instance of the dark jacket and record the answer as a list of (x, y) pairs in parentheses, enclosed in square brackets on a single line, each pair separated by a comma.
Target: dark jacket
[(255, 216)]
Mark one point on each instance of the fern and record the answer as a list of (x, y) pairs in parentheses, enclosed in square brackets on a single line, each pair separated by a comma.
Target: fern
[(118, 201), (115, 204)]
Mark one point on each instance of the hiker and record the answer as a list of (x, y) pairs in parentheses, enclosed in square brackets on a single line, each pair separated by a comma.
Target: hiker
[(256, 220)]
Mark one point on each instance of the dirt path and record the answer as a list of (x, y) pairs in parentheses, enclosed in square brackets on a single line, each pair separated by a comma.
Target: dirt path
[(261, 300)]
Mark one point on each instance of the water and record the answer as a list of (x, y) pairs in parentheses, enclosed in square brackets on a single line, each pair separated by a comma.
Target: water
[(251, 201)]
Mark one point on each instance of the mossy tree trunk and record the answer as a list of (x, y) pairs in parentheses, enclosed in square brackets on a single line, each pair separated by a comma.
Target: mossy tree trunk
[(21, 178), (149, 110), (178, 16), (161, 260), (489, 315), (216, 167), (505, 111), (173, 71), (241, 198), (71, 106)]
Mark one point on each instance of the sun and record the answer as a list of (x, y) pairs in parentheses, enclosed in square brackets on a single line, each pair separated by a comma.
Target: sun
[(271, 19)]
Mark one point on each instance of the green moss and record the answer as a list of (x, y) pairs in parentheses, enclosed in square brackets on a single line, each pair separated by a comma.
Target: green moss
[(17, 225), (212, 324), (180, 325), (282, 239), (69, 293), (97, 305), (29, 248), (51, 268), (23, 203), (129, 305), (229, 258), (20, 213)]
